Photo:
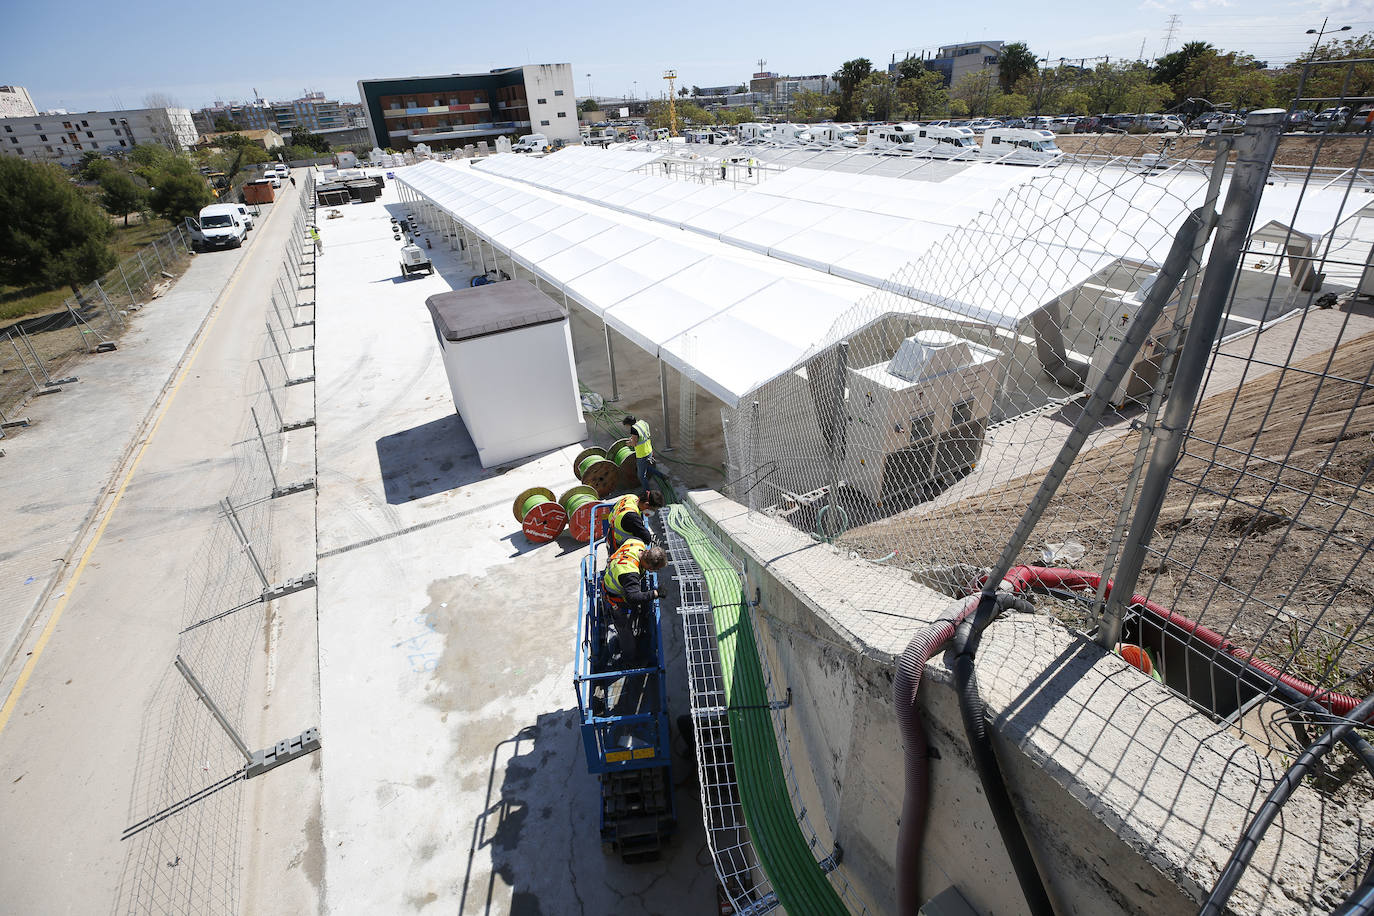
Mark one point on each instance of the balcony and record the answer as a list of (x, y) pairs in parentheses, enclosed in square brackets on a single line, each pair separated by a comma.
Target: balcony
[(434, 110)]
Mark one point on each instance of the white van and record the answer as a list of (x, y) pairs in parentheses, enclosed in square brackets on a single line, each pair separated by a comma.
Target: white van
[(1021, 146), (218, 226), (246, 215), (530, 143)]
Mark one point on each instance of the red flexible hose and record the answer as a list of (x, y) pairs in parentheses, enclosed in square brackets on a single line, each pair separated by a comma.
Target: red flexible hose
[(1025, 577)]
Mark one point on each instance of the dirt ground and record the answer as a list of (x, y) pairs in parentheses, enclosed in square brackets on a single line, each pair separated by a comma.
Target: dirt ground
[(1297, 150), (1282, 516)]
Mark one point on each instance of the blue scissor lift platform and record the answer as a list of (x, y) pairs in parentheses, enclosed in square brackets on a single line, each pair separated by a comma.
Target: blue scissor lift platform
[(623, 716)]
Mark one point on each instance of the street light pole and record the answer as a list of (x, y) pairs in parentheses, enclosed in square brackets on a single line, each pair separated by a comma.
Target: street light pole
[(1319, 33)]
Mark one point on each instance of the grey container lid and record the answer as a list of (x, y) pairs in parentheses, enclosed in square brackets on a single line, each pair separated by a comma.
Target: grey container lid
[(479, 311)]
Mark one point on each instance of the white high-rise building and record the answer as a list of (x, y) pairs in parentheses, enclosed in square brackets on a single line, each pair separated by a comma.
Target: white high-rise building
[(65, 138), (15, 102)]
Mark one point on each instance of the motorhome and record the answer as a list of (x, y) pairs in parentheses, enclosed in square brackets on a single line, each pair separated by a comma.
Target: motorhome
[(892, 138), (1020, 146), (943, 142), (753, 131), (217, 226), (831, 135)]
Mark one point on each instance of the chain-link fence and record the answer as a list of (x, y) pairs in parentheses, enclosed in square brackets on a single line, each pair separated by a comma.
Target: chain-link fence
[(38, 355), (185, 813), (1199, 400)]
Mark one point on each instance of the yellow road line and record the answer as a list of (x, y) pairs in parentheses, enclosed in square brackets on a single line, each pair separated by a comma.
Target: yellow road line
[(13, 699)]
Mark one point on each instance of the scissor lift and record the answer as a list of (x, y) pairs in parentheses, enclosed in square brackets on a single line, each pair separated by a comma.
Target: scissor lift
[(623, 715)]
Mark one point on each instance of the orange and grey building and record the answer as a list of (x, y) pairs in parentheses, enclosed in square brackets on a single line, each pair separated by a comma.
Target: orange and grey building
[(454, 110)]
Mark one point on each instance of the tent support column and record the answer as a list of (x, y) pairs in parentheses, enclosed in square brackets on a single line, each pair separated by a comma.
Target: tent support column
[(663, 398), (610, 357)]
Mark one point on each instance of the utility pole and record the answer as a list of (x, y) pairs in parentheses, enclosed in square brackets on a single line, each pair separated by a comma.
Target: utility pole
[(1169, 31), (671, 76)]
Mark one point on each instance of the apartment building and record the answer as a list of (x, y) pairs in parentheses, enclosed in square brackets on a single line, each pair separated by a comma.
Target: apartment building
[(64, 137), (460, 108)]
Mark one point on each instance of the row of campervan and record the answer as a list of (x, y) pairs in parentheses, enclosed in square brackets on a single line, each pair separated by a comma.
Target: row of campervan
[(1012, 145)]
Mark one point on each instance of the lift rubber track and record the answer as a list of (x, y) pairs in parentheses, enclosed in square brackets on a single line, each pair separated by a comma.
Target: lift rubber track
[(786, 858)]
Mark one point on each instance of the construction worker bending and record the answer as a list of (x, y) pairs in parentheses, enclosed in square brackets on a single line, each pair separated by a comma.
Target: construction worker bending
[(628, 595), (644, 451), (315, 237), (627, 518)]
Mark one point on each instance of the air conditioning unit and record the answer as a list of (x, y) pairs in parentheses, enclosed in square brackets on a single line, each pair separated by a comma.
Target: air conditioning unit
[(920, 417)]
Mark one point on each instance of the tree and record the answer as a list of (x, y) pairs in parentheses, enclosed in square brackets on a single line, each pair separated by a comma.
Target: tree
[(1010, 105), (223, 125), (586, 106), (178, 195), (911, 68), (975, 90), (302, 137), (875, 98), (160, 100), (682, 93), (1015, 62), (92, 166), (696, 92), (120, 194), (921, 94), (847, 78), (52, 234), (808, 105)]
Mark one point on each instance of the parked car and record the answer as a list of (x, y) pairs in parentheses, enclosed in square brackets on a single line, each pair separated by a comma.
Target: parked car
[(1089, 125), (1331, 119), (1301, 119)]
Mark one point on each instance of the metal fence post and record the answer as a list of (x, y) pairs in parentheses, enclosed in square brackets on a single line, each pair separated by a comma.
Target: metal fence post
[(185, 670), (157, 254), (271, 472), (244, 544), (1255, 153), (125, 277)]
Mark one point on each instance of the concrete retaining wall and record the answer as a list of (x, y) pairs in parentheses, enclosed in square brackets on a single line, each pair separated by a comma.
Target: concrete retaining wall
[(1131, 799)]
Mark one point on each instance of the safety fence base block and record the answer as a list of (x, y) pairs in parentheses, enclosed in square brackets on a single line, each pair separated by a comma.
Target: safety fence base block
[(284, 751)]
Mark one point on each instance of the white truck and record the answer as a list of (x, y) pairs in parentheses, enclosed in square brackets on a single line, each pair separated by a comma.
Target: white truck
[(1020, 146), (531, 143), (217, 226)]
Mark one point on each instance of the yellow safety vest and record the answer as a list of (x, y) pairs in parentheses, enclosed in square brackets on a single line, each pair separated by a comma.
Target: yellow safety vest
[(624, 560), (623, 507), (645, 448)]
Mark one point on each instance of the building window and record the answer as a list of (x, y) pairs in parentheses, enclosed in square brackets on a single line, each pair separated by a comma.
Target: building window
[(562, 114), (14, 140), (91, 135), (543, 101), (112, 120), (67, 125), (121, 143), (8, 129), (38, 127), (84, 124), (43, 137), (117, 133), (543, 123), (558, 92)]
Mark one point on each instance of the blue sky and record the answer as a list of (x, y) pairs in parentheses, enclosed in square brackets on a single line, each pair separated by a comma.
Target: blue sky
[(198, 53)]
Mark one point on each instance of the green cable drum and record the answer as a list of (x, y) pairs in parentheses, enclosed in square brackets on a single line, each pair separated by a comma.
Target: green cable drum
[(592, 468), (539, 516), (580, 504), (622, 454)]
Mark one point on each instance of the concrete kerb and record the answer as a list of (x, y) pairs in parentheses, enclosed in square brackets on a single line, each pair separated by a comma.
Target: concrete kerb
[(1131, 798), (121, 469)]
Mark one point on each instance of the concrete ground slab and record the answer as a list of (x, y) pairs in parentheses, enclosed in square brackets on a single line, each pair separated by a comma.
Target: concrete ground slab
[(453, 773), (56, 470), (82, 723)]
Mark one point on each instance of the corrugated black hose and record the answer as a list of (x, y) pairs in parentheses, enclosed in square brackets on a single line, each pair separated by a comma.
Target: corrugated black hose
[(974, 714)]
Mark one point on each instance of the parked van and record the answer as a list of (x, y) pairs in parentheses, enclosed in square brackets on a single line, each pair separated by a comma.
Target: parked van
[(530, 143), (246, 215), (218, 226), (831, 135), (892, 138), (1021, 146)]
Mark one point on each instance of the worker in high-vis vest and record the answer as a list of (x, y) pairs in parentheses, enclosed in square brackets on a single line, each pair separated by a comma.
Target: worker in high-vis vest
[(626, 587), (644, 451), (627, 518)]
